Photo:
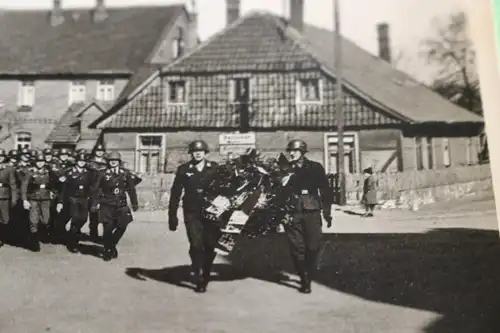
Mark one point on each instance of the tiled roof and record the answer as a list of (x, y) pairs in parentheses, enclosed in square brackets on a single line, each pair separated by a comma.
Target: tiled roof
[(67, 130), (148, 111), (122, 42), (263, 41)]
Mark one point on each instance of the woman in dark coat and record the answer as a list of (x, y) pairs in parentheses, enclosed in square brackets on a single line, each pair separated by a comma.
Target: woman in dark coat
[(369, 192)]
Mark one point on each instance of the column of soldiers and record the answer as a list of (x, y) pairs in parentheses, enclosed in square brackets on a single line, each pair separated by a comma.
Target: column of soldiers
[(46, 190)]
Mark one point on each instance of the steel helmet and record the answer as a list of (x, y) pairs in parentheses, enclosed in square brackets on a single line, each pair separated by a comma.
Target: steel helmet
[(114, 155), (47, 152), (297, 145), (99, 147), (13, 153), (64, 151), (39, 157), (25, 152), (198, 145), (82, 157), (3, 153)]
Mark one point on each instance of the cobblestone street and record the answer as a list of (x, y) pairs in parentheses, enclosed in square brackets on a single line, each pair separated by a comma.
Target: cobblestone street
[(435, 270)]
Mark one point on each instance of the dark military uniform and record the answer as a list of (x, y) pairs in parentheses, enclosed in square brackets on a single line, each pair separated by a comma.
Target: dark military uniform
[(36, 189), (202, 234), (61, 219), (76, 192), (309, 186), (109, 197), (97, 165), (8, 197)]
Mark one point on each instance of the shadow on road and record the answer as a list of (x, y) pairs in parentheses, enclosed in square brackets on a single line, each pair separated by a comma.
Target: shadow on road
[(452, 272), (90, 250)]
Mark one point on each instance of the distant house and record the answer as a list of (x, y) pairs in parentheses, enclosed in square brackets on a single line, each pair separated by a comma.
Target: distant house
[(60, 68), (275, 77)]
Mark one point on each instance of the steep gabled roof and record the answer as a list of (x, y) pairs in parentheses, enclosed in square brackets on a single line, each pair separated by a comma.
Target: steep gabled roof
[(264, 41), (68, 128), (120, 43)]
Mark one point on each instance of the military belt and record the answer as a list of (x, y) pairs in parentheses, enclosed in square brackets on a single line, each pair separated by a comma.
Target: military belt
[(4, 185)]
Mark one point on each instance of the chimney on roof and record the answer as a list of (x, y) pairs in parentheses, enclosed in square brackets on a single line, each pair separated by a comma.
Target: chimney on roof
[(297, 14), (56, 14), (384, 43), (232, 10), (193, 26), (100, 13)]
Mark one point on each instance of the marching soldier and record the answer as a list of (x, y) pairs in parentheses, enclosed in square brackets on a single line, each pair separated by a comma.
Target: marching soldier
[(8, 196), (25, 159), (36, 193), (97, 164), (109, 198), (59, 220), (309, 185), (13, 158), (193, 177), (76, 189)]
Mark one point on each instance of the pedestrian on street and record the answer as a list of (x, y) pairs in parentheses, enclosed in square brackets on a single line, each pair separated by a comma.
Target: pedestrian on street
[(36, 192), (8, 197), (108, 195), (193, 177), (96, 164), (369, 199), (76, 191), (309, 186)]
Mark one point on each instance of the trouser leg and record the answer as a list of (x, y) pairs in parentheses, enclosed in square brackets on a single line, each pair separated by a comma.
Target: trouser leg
[(35, 216), (211, 235), (312, 239), (194, 231)]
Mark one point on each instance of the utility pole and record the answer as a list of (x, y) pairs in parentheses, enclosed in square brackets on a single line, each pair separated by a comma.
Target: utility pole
[(339, 105)]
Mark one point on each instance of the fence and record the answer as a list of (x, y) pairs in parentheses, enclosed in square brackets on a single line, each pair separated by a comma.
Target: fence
[(400, 188)]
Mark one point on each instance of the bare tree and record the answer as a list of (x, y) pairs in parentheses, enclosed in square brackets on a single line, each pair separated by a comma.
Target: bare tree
[(452, 52)]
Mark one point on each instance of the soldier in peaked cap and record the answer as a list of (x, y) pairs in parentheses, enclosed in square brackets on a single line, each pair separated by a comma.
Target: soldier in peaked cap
[(76, 191), (193, 177), (108, 196), (8, 196), (310, 187), (36, 193), (97, 164)]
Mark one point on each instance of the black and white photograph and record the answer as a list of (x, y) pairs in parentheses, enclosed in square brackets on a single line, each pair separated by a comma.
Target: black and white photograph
[(225, 166)]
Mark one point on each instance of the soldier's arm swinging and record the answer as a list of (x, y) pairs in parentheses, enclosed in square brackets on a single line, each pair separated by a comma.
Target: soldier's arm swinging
[(95, 191), (132, 193), (24, 190), (175, 196), (13, 186)]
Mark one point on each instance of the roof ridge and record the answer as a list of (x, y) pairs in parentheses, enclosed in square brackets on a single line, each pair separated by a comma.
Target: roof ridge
[(231, 26), (86, 8)]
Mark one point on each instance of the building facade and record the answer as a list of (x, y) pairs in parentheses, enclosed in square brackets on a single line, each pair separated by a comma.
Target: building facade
[(65, 61), (275, 78)]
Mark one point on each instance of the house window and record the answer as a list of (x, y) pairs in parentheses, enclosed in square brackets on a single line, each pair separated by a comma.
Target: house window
[(308, 90), (77, 92), (177, 92), (178, 44), (446, 152), (27, 94), (150, 150), (106, 90), (430, 153), (23, 140), (239, 90), (419, 151)]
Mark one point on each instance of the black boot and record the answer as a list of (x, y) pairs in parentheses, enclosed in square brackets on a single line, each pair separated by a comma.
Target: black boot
[(201, 284), (207, 266), (305, 284), (108, 254), (34, 242), (114, 252), (72, 242)]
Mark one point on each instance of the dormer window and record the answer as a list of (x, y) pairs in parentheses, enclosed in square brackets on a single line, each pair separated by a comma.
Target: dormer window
[(178, 44), (309, 91), (106, 90), (26, 97), (177, 92)]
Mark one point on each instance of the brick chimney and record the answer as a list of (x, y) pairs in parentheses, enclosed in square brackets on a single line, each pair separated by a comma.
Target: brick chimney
[(384, 43), (232, 10), (297, 14), (193, 26), (100, 13), (56, 14)]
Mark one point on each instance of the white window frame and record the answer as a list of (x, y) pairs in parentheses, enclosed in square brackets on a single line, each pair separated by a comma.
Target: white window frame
[(77, 91), (326, 145), (431, 157), (138, 148), (232, 87), (298, 89), (105, 90), (186, 92), (25, 144), (446, 150), (26, 95)]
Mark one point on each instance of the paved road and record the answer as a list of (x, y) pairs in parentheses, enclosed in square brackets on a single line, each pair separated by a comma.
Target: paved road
[(434, 271)]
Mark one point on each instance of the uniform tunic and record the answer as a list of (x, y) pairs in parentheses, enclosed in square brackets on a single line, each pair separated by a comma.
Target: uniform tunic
[(37, 187), (8, 191), (75, 193)]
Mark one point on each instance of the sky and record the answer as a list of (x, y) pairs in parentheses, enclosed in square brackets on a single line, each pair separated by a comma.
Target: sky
[(410, 21)]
